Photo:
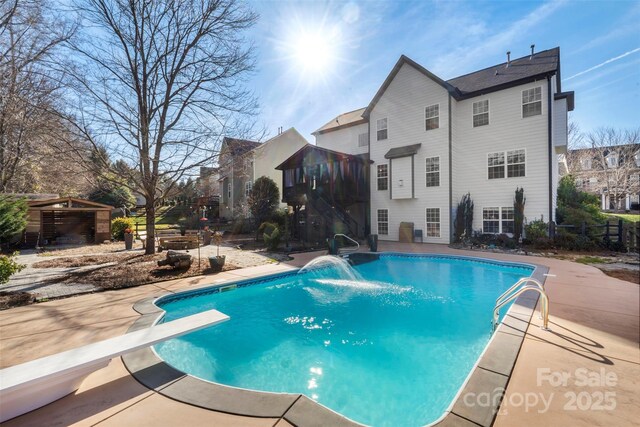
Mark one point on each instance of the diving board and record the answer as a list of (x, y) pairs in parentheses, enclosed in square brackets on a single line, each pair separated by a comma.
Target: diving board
[(33, 384)]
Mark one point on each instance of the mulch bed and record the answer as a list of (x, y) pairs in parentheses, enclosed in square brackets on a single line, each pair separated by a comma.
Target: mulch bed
[(139, 270), (81, 261), (15, 299), (624, 274)]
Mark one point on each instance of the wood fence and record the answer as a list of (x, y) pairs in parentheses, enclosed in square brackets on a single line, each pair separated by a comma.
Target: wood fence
[(626, 232)]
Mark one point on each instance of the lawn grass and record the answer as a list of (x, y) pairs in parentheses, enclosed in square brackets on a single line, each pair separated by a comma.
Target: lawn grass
[(591, 260), (624, 217), (166, 217)]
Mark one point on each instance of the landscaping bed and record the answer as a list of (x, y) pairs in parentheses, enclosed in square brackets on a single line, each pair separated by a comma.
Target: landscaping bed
[(81, 261), (15, 299)]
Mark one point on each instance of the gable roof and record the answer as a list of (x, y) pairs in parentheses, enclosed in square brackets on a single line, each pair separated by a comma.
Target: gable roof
[(351, 118), (312, 155), (239, 146), (521, 70), (291, 130)]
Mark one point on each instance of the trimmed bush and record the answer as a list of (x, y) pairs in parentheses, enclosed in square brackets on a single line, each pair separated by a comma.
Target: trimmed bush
[(118, 226), (272, 240), (536, 229), (9, 267)]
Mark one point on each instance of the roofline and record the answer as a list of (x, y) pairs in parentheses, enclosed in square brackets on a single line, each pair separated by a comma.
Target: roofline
[(506, 85), (570, 97), (502, 63), (356, 156), (343, 126), (45, 202), (394, 71)]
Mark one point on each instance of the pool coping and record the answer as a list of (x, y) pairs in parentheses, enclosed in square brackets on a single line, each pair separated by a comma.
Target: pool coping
[(490, 375)]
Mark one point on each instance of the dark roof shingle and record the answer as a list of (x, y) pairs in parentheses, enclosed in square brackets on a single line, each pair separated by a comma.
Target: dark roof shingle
[(541, 63), (239, 146)]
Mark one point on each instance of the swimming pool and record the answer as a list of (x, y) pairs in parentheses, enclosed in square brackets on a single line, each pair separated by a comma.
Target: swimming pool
[(387, 342)]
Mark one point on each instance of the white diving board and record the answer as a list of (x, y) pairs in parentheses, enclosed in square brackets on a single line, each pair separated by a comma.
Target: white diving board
[(39, 382)]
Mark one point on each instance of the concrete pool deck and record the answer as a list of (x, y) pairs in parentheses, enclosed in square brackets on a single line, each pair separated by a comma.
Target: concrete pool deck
[(594, 320)]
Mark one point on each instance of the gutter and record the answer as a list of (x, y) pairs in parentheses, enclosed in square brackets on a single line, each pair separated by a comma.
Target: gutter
[(550, 143)]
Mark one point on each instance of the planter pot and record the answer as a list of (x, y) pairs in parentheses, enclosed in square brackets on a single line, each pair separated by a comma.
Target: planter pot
[(372, 240), (216, 262), (128, 241)]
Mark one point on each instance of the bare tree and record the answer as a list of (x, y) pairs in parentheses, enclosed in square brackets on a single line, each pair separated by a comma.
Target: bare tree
[(611, 163), (158, 83), (30, 40)]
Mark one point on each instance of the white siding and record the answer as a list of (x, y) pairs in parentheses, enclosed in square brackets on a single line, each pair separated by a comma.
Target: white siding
[(507, 130), (403, 104), (275, 151), (344, 140), (401, 178)]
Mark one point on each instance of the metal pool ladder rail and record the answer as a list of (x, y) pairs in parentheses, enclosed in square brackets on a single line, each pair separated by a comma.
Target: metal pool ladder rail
[(521, 286), (350, 239)]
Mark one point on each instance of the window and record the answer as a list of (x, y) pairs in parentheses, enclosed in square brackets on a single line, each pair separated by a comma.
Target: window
[(496, 165), (635, 178), (498, 220), (383, 177), (508, 224), (247, 188), (433, 171), (585, 164), (228, 191), (383, 221), (491, 220), (432, 117), (433, 222), (612, 160), (515, 163), (637, 158), (363, 139), (481, 113), (532, 102), (382, 129)]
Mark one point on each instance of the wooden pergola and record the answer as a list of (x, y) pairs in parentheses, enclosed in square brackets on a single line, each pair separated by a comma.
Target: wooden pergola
[(67, 220)]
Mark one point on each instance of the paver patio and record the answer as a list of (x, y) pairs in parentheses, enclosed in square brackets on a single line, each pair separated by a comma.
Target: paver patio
[(595, 323)]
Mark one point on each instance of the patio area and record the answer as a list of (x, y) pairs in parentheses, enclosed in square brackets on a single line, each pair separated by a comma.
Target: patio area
[(594, 321)]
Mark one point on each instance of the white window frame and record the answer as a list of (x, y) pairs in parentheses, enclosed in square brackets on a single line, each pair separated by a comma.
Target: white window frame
[(522, 103), (229, 192), (474, 114), (363, 139), (505, 165), (585, 164), (426, 180), (612, 155), (386, 128), (427, 222), (501, 210), (437, 116), (248, 186), (378, 177), (383, 222)]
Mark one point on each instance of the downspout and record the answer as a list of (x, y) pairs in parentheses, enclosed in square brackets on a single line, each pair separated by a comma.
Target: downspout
[(550, 144)]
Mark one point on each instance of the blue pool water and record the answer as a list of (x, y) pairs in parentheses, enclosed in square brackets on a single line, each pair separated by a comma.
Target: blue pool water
[(388, 343)]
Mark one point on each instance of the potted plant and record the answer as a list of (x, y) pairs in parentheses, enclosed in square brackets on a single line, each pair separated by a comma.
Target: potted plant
[(128, 238), (217, 262), (206, 236)]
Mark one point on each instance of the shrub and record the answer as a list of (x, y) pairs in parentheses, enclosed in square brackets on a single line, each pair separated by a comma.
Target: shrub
[(263, 200), (13, 217), (542, 243), (118, 225), (267, 227), (616, 246), (9, 267), (241, 226), (279, 218), (518, 213), (463, 221), (272, 240), (536, 229)]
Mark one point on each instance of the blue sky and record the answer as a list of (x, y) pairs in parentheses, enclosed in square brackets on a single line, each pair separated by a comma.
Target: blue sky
[(357, 44)]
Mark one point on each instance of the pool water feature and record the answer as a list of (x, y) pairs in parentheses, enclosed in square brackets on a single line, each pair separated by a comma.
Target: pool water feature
[(384, 343)]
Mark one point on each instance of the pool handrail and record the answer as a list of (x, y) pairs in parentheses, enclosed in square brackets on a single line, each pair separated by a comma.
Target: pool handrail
[(504, 300), (350, 239)]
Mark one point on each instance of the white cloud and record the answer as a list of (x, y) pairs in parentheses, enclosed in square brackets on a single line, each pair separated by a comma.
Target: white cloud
[(602, 64)]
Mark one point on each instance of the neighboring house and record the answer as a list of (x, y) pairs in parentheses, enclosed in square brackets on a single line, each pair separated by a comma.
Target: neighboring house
[(207, 183), (431, 141), (243, 161), (612, 172)]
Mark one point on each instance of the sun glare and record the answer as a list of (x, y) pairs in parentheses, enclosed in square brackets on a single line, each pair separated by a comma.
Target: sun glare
[(313, 52)]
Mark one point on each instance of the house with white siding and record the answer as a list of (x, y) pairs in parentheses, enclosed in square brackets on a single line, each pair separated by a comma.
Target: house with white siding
[(431, 141)]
